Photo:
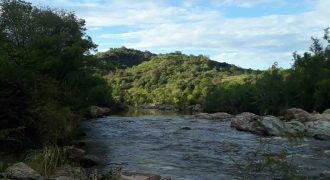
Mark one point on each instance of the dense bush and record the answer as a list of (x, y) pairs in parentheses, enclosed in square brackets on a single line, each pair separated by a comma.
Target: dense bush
[(47, 81)]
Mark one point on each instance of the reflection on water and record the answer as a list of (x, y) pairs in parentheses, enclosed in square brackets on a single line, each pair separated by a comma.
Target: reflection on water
[(206, 150)]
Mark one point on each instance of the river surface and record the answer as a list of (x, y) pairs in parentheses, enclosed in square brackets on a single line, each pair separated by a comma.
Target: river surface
[(185, 147)]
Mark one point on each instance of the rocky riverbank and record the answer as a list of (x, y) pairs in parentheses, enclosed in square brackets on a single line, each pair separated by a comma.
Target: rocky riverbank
[(294, 122), (80, 166)]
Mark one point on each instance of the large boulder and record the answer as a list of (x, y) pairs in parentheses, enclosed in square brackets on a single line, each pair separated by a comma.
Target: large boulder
[(326, 114), (295, 128), (248, 122), (69, 173), (273, 125), (96, 111), (318, 129), (21, 171), (297, 114)]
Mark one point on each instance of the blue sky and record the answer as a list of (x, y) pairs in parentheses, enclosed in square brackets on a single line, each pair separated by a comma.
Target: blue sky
[(248, 33)]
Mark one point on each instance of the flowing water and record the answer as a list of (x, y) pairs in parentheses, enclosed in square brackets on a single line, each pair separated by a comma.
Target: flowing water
[(185, 147)]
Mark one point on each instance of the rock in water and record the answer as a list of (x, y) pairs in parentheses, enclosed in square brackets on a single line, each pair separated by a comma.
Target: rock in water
[(216, 116), (96, 111), (139, 176), (81, 157), (248, 122), (326, 114), (221, 116), (319, 129), (21, 171), (203, 115), (273, 125), (295, 128), (185, 128), (297, 114)]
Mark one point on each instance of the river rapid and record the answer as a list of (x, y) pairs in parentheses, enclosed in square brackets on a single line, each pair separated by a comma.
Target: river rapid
[(186, 147)]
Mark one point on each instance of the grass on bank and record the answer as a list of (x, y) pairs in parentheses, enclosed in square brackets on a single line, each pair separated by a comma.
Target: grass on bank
[(46, 160)]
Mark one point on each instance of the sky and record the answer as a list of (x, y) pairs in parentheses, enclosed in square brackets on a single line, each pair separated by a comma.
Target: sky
[(248, 33)]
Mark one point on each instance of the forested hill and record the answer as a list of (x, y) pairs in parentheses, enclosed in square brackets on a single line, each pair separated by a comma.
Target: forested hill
[(121, 58), (175, 79), (187, 81)]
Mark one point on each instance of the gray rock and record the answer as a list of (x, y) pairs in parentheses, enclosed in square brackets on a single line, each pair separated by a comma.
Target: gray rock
[(297, 114), (69, 173), (75, 154), (21, 171), (273, 125), (326, 114), (215, 116), (89, 160), (318, 129), (326, 173), (295, 128), (203, 116), (80, 156), (327, 111), (248, 122), (221, 116), (96, 111)]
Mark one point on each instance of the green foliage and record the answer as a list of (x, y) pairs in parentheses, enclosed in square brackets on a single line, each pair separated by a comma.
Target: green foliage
[(120, 58), (183, 80), (46, 74), (173, 78)]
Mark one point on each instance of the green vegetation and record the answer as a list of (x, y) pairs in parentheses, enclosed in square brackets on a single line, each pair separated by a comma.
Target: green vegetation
[(121, 58), (185, 81), (175, 79), (49, 77), (46, 76), (46, 160)]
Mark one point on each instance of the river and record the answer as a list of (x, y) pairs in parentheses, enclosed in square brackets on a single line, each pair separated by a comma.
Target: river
[(185, 147)]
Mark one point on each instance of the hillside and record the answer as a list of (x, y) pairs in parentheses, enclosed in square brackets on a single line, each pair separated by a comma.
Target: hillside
[(175, 79), (120, 58)]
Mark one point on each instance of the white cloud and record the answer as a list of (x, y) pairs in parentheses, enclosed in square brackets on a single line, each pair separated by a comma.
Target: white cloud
[(246, 3), (249, 42)]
